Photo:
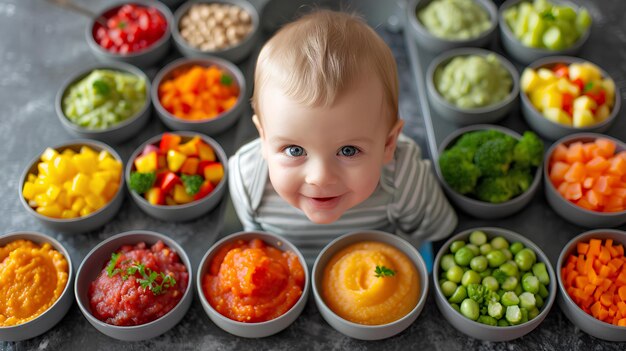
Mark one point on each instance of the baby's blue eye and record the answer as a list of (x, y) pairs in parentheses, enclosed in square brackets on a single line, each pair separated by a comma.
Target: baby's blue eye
[(294, 151), (348, 151)]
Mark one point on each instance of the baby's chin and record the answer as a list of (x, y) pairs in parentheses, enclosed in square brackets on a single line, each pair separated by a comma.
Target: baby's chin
[(322, 218)]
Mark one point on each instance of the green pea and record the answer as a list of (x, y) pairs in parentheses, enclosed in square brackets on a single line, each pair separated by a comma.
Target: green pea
[(543, 291), (478, 237), (491, 283), (485, 248), (487, 320), (516, 247), (456, 307), (479, 263), (456, 245), (524, 315), (527, 300), (495, 258), (487, 272), (459, 295), (503, 323), (510, 283), (447, 261), (510, 269), (470, 309), (525, 259), (518, 289), (540, 271), (509, 299), (470, 277), (455, 273), (463, 256), (474, 248), (507, 253), (513, 315), (530, 283), (538, 301), (448, 288), (533, 313), (495, 310), (499, 243)]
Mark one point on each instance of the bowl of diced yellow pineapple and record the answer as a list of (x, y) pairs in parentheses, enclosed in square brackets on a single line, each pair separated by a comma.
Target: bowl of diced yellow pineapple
[(563, 95), (177, 176), (73, 187)]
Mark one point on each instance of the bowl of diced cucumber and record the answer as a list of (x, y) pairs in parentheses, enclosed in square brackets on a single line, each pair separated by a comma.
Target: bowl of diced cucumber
[(534, 29), (108, 102), (493, 284)]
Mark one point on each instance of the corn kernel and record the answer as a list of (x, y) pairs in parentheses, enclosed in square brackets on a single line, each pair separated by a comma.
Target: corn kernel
[(97, 185), (88, 151), (80, 184), (86, 211), (69, 214), (94, 201), (53, 192), (50, 211), (49, 154), (78, 204), (29, 191), (31, 177), (85, 163)]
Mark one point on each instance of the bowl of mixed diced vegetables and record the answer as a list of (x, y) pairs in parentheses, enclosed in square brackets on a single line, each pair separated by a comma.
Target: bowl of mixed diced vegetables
[(177, 176)]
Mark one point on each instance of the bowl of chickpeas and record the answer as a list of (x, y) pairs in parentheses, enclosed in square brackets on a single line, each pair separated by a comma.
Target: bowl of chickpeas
[(223, 28)]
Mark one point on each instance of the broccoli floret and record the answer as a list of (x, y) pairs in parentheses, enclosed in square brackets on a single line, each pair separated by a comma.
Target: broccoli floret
[(473, 140), (528, 151), (494, 189), (460, 173), (142, 182), (494, 157), (520, 179), (192, 183)]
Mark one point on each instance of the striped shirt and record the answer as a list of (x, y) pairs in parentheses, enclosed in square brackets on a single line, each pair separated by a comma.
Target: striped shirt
[(408, 201)]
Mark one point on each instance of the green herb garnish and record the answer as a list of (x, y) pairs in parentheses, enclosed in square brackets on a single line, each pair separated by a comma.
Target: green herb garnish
[(226, 80), (101, 87), (192, 183), (142, 182), (121, 25), (588, 86), (148, 279), (111, 270), (382, 271)]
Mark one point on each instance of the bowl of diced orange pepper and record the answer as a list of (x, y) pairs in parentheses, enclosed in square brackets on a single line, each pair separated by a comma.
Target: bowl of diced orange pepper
[(204, 95), (73, 187), (177, 176), (592, 283), (585, 179)]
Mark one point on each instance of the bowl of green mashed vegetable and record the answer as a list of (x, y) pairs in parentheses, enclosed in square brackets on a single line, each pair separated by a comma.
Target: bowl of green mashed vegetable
[(439, 25), (472, 85), (109, 102), (489, 171), (531, 30)]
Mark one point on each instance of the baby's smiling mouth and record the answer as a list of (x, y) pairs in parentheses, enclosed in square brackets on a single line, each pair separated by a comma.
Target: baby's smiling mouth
[(324, 199)]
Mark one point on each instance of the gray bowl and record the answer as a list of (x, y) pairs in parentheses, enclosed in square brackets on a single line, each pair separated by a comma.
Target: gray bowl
[(253, 330), (552, 130), (361, 331), (570, 211), (92, 266), (435, 44), (482, 209), (211, 126), (188, 211), (80, 224), (483, 331), (145, 58), (575, 314), (235, 53), (57, 311), (114, 134), (465, 116), (524, 54)]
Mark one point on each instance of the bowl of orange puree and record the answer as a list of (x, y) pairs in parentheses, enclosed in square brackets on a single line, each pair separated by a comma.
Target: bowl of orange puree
[(370, 285), (253, 284)]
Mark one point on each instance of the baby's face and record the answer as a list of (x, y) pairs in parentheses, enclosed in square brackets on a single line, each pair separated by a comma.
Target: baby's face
[(326, 160)]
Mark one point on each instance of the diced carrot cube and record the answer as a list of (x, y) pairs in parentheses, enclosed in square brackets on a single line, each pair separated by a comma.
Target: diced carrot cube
[(605, 255), (620, 250), (576, 173), (608, 243), (589, 289), (621, 306), (622, 293), (605, 271), (594, 247), (594, 198), (581, 281), (595, 309), (558, 171), (573, 191), (618, 166), (580, 265), (589, 150), (616, 262), (582, 248), (588, 182), (560, 153), (602, 185), (606, 147), (569, 278), (621, 322), (603, 314), (584, 203), (598, 164)]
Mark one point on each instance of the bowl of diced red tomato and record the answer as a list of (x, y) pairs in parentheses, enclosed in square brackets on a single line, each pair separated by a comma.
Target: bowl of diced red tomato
[(585, 177), (177, 176), (205, 95), (136, 32)]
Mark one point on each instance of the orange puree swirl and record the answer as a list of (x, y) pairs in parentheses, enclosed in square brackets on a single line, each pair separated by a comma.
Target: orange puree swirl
[(32, 278), (252, 282), (351, 289)]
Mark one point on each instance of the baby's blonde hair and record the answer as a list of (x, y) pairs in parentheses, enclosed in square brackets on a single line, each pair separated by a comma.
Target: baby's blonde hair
[(314, 59)]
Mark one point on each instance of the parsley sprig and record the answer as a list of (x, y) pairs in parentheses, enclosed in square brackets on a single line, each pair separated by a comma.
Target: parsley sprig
[(382, 271), (148, 278)]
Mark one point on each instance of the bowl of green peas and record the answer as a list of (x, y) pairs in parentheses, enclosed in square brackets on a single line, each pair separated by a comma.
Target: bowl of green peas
[(493, 284)]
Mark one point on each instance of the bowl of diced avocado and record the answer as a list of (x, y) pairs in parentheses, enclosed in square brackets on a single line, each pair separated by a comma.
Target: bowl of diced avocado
[(489, 171), (108, 102), (534, 29), (493, 284)]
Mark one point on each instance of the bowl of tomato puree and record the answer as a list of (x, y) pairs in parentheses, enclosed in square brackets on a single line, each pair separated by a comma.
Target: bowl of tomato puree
[(253, 284), (35, 284), (370, 285), (134, 285)]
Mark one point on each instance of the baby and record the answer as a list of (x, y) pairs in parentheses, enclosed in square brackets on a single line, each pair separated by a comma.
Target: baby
[(331, 158)]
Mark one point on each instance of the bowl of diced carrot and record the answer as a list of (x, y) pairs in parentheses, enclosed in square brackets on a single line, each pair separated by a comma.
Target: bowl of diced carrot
[(205, 95), (592, 283), (585, 179)]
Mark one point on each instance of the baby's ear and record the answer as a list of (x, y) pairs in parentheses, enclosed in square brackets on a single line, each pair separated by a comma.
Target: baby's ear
[(392, 139)]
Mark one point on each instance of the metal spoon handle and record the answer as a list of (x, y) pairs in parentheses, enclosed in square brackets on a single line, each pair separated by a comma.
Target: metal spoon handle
[(69, 5)]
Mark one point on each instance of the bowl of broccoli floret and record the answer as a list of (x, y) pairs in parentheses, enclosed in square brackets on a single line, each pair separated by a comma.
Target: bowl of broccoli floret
[(490, 171)]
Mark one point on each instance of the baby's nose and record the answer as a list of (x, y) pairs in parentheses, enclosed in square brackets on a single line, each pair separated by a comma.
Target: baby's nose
[(321, 173)]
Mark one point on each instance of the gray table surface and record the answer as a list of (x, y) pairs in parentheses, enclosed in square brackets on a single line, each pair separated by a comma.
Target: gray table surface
[(40, 46)]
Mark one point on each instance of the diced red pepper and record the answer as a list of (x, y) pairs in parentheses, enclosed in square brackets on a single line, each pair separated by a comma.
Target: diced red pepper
[(561, 70), (190, 166), (567, 103), (169, 141), (169, 180), (579, 83), (205, 190), (598, 96)]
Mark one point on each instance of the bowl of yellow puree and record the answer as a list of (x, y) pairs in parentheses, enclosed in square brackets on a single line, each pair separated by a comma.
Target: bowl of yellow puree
[(35, 284), (370, 285)]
